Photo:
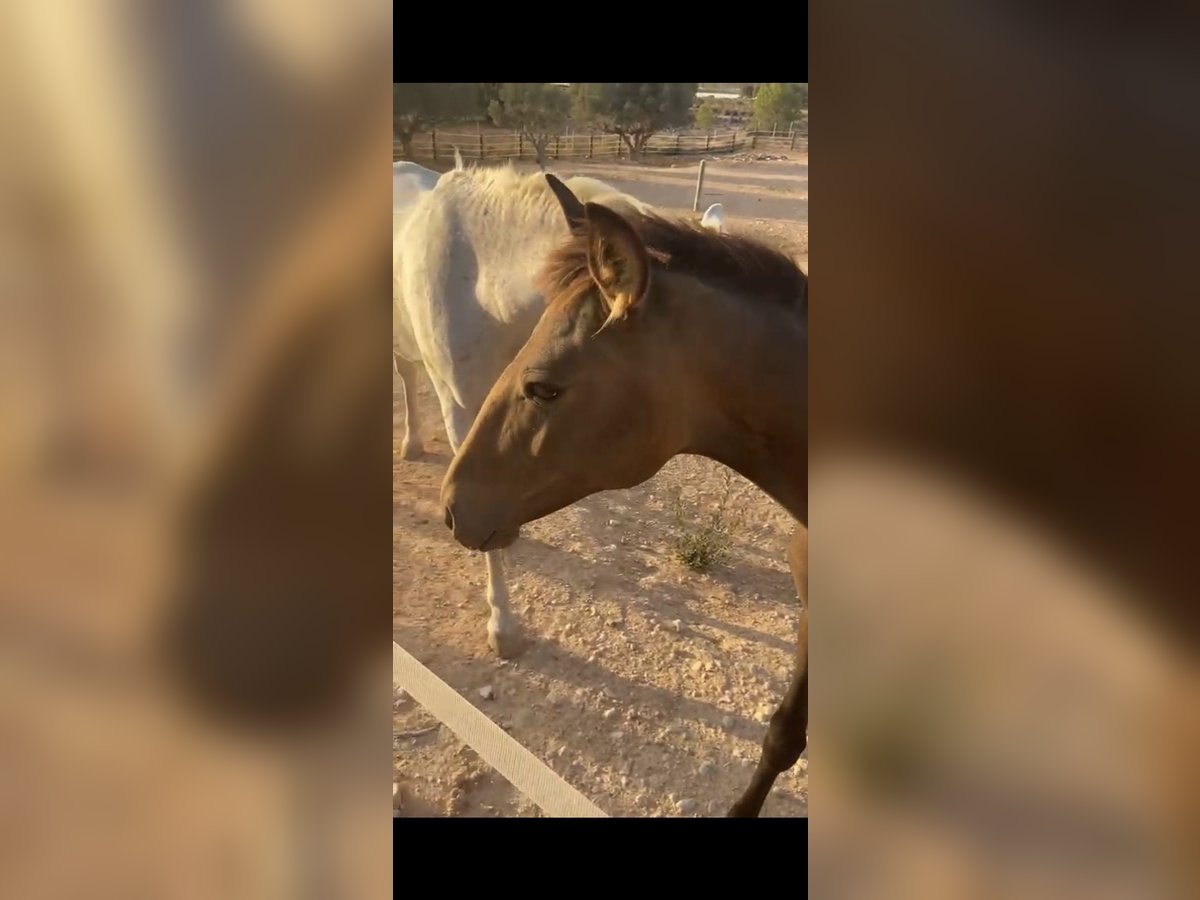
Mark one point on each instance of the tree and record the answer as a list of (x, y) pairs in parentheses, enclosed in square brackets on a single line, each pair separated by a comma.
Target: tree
[(779, 103), (538, 111), (488, 91), (706, 115), (417, 106), (634, 111)]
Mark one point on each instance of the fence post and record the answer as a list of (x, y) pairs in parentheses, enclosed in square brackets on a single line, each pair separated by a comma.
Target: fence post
[(699, 186), (481, 144), (433, 134), (520, 144), (678, 142), (591, 145), (556, 146), (754, 140), (707, 141), (793, 140)]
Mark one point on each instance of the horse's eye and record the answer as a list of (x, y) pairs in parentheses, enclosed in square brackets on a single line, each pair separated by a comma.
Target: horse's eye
[(537, 390)]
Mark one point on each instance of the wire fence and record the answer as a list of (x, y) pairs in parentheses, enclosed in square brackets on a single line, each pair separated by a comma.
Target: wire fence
[(440, 145)]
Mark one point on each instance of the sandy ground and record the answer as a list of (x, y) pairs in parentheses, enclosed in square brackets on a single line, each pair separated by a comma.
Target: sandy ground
[(644, 684), (769, 190)]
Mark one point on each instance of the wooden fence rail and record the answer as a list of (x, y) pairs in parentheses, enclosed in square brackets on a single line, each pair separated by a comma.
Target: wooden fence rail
[(439, 145)]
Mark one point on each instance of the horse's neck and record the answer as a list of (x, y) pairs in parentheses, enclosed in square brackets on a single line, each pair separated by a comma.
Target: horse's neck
[(746, 371)]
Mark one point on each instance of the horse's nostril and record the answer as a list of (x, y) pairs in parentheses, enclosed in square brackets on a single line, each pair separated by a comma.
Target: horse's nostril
[(449, 519)]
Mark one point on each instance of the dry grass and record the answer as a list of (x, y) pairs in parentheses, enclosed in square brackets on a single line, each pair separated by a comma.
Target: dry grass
[(701, 547)]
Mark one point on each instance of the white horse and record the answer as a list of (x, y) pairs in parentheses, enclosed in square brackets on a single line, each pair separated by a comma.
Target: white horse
[(465, 259), (409, 181)]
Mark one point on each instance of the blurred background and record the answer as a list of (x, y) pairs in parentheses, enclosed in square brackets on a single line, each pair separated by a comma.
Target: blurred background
[(194, 536), (1003, 406), (194, 589)]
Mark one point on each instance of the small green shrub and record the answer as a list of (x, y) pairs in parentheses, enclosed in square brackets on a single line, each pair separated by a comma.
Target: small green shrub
[(706, 543)]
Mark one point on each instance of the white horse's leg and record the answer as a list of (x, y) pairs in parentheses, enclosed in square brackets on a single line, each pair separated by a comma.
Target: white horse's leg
[(504, 632), (411, 447)]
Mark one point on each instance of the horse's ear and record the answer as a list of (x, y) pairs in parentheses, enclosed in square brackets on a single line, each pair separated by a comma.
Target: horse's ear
[(714, 218), (571, 207), (617, 261)]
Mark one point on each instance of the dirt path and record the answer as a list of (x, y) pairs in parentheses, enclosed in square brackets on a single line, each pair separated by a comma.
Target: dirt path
[(775, 189)]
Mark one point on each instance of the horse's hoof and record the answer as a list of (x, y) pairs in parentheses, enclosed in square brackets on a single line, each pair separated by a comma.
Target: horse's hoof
[(411, 450), (506, 644)]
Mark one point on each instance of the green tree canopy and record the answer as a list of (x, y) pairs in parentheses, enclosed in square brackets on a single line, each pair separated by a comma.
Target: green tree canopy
[(634, 111), (779, 103), (538, 110), (417, 106), (706, 115)]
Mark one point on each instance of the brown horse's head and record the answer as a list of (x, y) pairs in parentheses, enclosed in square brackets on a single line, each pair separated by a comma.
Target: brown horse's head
[(659, 337), (587, 404)]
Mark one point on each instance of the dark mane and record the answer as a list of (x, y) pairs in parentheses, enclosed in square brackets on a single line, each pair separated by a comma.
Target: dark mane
[(740, 264)]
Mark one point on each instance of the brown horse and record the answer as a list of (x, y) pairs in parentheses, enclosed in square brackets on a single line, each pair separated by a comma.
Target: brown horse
[(659, 338)]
